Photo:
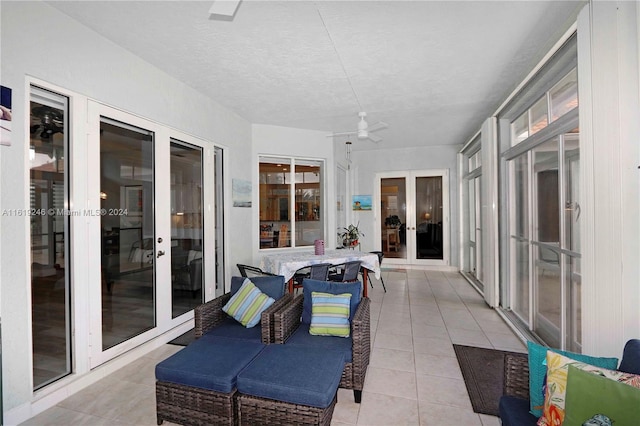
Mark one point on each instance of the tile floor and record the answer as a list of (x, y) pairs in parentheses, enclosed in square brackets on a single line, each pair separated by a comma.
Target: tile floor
[(413, 376)]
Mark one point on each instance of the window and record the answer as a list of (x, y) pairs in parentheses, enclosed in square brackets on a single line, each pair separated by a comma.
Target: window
[(291, 202), (541, 162), (555, 103)]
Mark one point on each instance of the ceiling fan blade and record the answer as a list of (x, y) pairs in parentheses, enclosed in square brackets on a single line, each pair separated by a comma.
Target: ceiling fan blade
[(374, 138), (341, 134), (378, 126)]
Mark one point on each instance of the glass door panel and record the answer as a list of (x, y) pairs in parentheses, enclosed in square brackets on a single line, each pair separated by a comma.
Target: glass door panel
[(186, 227), (128, 255), (429, 218), (393, 202), (50, 283), (546, 239)]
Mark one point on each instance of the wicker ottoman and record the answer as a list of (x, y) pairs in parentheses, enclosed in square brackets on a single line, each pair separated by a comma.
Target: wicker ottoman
[(197, 386), (287, 384)]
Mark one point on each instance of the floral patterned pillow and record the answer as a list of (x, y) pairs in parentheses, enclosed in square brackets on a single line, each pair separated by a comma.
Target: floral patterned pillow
[(556, 389)]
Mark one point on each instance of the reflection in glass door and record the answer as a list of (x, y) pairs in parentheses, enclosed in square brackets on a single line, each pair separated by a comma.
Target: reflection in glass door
[(186, 227), (127, 231), (50, 278)]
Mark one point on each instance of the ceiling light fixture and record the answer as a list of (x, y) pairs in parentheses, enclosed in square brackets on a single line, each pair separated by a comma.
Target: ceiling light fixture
[(348, 151)]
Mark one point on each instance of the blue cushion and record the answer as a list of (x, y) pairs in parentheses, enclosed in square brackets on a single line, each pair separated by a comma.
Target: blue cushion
[(515, 412), (341, 344), (232, 329), (309, 286), (295, 374), (271, 286), (538, 371), (631, 357), (210, 363)]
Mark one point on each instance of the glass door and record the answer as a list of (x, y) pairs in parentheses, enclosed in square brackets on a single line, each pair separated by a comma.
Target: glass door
[(186, 226), (414, 217), (150, 230), (128, 234), (49, 225)]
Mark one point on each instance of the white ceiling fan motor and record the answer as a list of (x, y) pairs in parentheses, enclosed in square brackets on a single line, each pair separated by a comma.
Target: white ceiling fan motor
[(362, 126)]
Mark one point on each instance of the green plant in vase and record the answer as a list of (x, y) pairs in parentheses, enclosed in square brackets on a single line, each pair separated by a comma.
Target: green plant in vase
[(350, 235), (392, 221)]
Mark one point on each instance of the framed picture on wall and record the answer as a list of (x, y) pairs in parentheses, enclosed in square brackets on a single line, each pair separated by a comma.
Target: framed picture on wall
[(133, 200), (362, 202)]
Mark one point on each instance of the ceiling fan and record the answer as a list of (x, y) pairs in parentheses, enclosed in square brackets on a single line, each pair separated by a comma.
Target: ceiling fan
[(46, 122), (364, 130)]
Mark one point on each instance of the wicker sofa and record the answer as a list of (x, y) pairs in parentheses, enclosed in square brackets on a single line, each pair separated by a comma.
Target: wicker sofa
[(514, 404), (291, 327), (197, 386)]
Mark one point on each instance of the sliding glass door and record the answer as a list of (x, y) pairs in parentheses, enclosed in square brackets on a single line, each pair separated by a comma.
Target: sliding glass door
[(49, 197)]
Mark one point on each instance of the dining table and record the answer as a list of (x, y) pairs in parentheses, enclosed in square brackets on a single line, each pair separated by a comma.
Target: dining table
[(288, 263)]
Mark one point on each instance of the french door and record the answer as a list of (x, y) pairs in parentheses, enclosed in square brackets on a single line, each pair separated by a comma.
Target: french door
[(150, 212), (412, 212)]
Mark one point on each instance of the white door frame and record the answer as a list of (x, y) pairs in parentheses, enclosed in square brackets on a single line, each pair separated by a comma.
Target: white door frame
[(162, 203), (410, 178)]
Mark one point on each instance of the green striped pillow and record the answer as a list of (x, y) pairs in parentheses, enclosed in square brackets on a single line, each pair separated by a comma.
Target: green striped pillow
[(330, 314), (247, 304)]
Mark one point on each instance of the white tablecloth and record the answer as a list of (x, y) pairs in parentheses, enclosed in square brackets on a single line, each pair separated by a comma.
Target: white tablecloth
[(287, 264)]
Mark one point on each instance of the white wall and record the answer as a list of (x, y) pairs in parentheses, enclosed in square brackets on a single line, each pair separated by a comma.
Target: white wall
[(299, 143), (367, 163), (68, 55)]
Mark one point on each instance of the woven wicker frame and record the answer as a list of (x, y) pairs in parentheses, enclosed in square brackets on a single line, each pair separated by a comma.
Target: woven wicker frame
[(253, 410), (188, 405), (209, 315), (287, 320), (516, 375)]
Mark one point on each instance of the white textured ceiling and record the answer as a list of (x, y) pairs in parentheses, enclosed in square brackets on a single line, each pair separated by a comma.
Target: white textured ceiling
[(432, 70)]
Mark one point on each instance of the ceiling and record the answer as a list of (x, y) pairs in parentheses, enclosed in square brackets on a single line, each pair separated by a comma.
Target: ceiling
[(432, 70)]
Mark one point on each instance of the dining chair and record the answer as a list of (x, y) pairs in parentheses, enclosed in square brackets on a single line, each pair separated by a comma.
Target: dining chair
[(380, 257), (349, 272), (318, 272), (252, 271)]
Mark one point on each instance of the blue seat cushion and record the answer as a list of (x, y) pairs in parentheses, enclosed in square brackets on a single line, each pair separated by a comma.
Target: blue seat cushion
[(232, 329), (341, 344), (309, 286), (296, 374), (209, 363), (272, 286), (515, 412)]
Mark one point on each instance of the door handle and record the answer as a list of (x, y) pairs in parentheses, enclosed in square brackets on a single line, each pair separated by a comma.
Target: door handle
[(160, 253)]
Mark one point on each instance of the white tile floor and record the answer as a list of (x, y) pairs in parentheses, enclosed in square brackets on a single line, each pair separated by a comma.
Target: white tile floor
[(413, 377)]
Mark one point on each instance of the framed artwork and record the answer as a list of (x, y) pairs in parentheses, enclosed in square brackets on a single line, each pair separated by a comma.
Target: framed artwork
[(241, 193), (5, 116), (362, 202), (133, 200)]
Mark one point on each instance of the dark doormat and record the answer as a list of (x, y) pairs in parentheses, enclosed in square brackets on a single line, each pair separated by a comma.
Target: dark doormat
[(184, 339), (483, 373)]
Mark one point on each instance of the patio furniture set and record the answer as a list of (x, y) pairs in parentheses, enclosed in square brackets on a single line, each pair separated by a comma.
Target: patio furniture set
[(276, 372)]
